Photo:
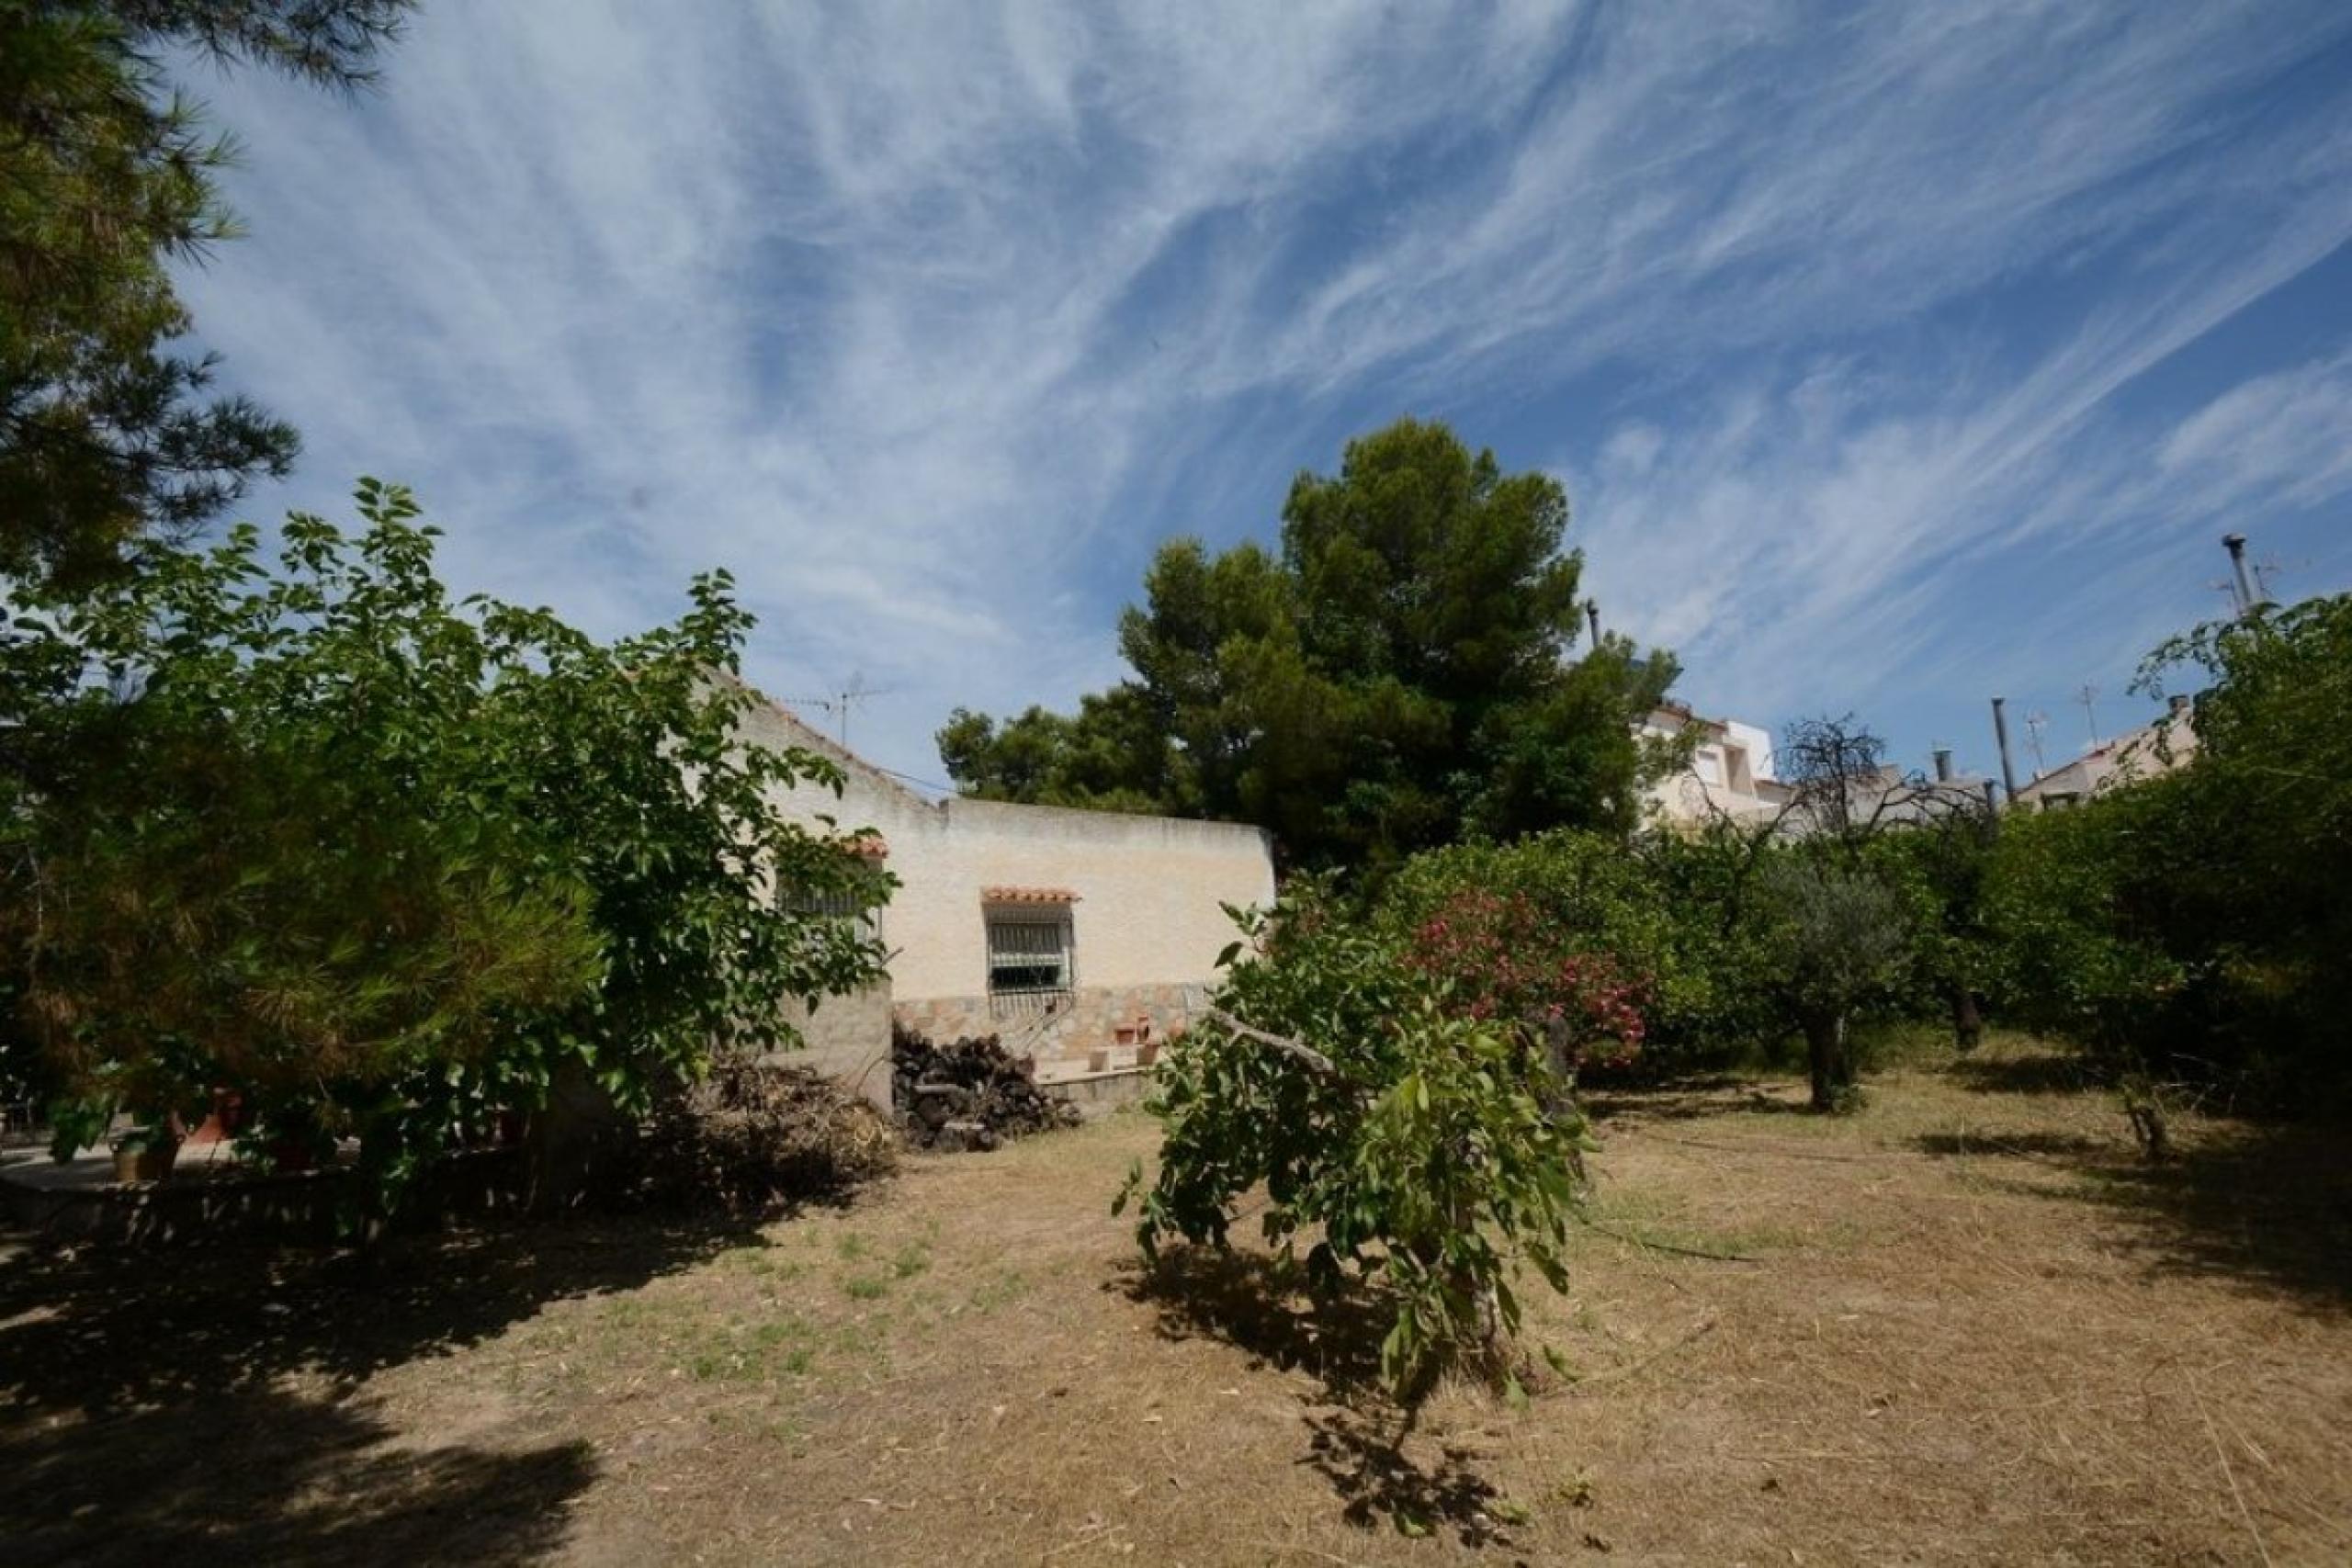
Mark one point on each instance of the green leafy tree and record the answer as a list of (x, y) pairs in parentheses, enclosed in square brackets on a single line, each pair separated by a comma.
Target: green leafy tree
[(1111, 756), (389, 863), (1397, 677), (2192, 924), (1861, 880), (108, 434), (2078, 948), (1412, 1140), (1941, 869), (1836, 940)]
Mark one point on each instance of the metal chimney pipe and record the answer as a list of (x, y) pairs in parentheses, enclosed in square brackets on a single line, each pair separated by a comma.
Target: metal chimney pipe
[(1943, 765), (1592, 613), (2247, 600), (2001, 738)]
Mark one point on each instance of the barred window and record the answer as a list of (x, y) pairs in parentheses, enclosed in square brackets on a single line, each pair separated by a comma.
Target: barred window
[(1029, 955), (837, 905)]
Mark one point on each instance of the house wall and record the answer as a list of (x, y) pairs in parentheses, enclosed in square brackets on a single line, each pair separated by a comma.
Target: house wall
[(1716, 781), (1147, 921), (848, 1038), (2142, 753)]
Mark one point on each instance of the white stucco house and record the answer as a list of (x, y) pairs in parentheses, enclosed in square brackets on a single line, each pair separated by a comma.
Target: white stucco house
[(1730, 772), (1077, 937), (2158, 747)]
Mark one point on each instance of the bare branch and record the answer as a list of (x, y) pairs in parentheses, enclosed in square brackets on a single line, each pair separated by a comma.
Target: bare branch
[(1297, 1050)]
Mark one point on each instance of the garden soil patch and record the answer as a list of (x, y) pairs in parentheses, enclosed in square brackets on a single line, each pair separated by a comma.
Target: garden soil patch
[(1965, 1326)]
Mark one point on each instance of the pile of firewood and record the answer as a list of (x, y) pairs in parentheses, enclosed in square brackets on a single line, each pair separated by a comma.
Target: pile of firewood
[(969, 1094)]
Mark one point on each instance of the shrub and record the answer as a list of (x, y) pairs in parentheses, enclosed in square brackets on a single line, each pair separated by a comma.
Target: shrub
[(1411, 1142), (385, 863), (1654, 916), (1837, 940), (1499, 959)]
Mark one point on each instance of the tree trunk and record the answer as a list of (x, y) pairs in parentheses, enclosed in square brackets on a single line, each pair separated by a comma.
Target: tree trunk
[(570, 1137), (1825, 1049), (1967, 1023)]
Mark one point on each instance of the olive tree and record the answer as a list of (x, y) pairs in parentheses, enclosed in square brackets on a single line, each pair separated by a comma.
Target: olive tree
[(1835, 939)]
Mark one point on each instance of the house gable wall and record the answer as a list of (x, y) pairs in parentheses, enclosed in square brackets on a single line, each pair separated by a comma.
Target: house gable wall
[(1147, 918)]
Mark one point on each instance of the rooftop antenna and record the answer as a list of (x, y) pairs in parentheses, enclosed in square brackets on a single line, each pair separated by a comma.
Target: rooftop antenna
[(856, 691), (2088, 697), (838, 705), (2035, 723), (2268, 567)]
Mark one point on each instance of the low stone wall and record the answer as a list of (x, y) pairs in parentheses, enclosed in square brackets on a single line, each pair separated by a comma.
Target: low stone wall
[(1089, 1020)]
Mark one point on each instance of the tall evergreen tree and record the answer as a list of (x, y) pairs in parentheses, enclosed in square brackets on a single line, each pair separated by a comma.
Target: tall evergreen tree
[(1396, 676), (108, 434)]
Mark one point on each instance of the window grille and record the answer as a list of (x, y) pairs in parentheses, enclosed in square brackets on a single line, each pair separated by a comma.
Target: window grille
[(838, 905), (1029, 961)]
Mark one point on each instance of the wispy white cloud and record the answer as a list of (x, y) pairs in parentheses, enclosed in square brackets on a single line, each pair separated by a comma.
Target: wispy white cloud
[(925, 320)]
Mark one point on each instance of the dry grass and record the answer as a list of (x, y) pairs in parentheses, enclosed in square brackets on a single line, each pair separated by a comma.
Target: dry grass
[(1965, 1327)]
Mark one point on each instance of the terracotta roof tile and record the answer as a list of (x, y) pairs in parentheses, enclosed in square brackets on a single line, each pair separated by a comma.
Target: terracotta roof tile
[(1027, 896)]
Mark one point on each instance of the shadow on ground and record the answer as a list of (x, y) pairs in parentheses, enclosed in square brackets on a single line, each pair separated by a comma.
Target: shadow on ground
[(261, 1477), (2029, 1072), (142, 1418), (2268, 1205), (1254, 1302), (1686, 1100), (2021, 1143)]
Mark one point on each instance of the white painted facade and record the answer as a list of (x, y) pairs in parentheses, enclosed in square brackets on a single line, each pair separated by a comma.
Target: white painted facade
[(1730, 772), (1142, 897)]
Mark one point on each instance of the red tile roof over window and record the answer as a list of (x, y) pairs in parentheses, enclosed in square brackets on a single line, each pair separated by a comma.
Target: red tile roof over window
[(1027, 896), (873, 846)]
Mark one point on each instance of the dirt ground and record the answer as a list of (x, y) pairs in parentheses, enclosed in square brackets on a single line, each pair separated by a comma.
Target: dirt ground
[(1965, 1326)]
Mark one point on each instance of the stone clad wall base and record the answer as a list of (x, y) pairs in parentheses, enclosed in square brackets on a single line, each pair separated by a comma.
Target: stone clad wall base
[(1068, 1038)]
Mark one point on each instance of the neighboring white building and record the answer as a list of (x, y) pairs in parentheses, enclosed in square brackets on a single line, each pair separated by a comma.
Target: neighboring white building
[(1076, 936), (1730, 772), (2152, 749)]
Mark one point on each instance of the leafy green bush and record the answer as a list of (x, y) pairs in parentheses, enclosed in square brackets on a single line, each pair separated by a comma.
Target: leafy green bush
[(1941, 869), (2195, 923), (2076, 955), (1410, 1141), (385, 864), (1500, 960), (1657, 916)]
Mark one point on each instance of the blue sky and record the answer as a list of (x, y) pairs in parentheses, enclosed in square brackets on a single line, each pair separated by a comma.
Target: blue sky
[(1893, 355)]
